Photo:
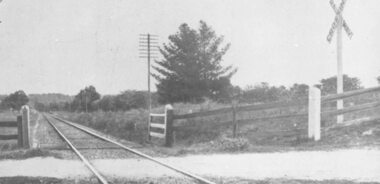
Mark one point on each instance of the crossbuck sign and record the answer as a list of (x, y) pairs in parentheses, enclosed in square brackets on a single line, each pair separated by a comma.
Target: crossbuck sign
[(338, 24), (338, 20)]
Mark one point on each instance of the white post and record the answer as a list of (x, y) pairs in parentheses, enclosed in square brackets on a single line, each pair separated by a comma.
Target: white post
[(314, 114), (339, 105)]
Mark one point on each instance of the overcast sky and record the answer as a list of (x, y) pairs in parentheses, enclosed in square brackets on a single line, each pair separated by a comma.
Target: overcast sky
[(63, 45)]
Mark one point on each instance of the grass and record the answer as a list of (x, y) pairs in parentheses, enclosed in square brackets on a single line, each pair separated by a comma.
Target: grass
[(24, 154)]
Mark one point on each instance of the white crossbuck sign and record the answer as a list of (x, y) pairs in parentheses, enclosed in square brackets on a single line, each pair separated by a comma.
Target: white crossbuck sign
[(338, 20)]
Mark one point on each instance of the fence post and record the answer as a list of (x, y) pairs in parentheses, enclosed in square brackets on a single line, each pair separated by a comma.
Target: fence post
[(234, 122), (19, 131), (169, 126), (314, 113), (149, 121), (25, 126)]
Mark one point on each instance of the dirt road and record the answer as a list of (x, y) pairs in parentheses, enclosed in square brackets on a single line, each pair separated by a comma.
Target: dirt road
[(358, 165)]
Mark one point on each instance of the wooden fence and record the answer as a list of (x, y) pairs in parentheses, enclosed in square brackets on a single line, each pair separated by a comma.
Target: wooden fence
[(22, 125), (313, 104)]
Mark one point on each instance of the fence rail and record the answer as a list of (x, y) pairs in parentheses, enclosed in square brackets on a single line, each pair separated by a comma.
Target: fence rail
[(8, 124), (352, 109), (348, 94), (8, 137), (242, 108)]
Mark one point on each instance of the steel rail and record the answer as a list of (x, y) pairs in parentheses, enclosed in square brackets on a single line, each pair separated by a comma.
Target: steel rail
[(186, 173), (85, 161)]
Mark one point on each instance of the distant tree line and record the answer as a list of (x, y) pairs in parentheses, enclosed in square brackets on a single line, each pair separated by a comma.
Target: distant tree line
[(263, 92), (88, 100)]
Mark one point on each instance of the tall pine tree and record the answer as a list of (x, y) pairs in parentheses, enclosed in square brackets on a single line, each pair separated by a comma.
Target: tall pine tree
[(191, 68)]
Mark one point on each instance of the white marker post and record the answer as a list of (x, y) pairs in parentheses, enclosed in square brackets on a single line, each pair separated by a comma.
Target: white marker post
[(314, 113), (338, 24)]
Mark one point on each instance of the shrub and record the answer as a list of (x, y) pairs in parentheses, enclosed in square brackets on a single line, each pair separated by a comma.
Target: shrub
[(231, 144)]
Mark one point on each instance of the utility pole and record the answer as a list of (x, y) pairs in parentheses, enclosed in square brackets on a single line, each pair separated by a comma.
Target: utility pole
[(85, 98), (148, 48), (338, 24)]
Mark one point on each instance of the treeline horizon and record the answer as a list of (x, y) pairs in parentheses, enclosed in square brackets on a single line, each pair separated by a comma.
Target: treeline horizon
[(89, 100)]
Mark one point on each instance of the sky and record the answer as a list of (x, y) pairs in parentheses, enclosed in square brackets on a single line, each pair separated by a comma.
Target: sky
[(61, 46)]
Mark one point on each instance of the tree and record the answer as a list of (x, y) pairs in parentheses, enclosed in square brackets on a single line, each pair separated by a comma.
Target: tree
[(15, 100), (130, 100), (328, 86), (378, 79), (40, 106), (107, 103), (83, 101), (299, 91), (191, 68)]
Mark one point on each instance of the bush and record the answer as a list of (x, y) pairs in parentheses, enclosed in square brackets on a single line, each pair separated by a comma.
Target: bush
[(130, 125), (231, 144)]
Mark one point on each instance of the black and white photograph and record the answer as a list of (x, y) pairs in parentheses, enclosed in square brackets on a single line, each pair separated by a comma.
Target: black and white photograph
[(189, 91)]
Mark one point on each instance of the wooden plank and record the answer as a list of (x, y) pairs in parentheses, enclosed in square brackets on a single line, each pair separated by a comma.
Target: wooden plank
[(26, 141), (8, 137), (348, 94), (250, 120), (156, 125), (157, 115), (203, 114), (19, 131), (297, 115), (351, 109), (255, 107), (8, 124), (272, 105), (154, 134), (169, 133)]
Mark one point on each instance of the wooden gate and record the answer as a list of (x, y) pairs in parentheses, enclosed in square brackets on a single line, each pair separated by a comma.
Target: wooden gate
[(161, 125), (22, 125)]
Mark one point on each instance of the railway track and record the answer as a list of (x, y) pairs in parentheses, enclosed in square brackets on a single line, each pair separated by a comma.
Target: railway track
[(79, 137)]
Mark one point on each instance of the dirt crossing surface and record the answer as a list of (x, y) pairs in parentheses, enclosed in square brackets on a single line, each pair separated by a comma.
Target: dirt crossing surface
[(356, 165)]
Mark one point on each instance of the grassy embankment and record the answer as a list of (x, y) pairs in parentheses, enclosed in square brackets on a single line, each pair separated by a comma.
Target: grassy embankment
[(208, 135)]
